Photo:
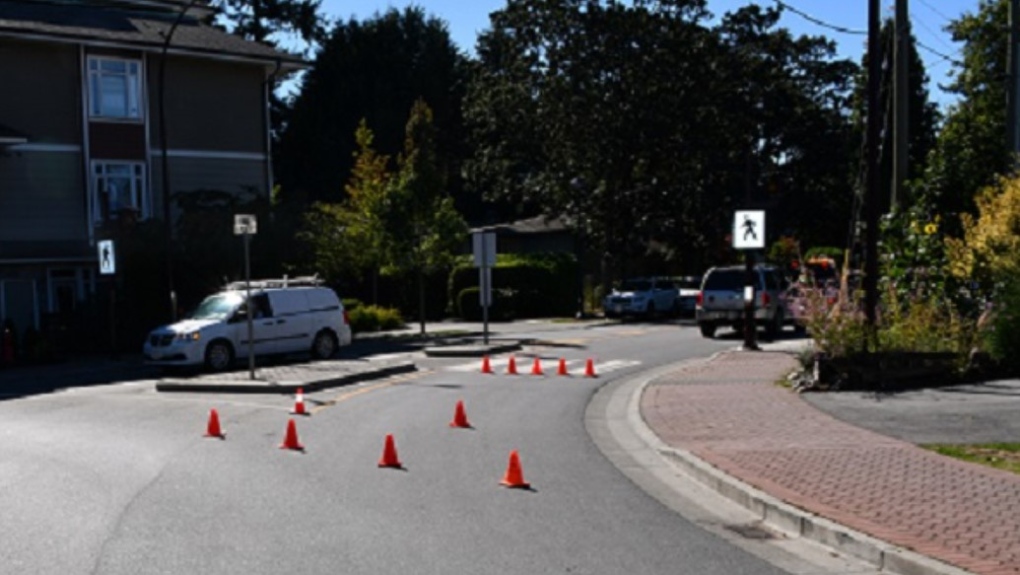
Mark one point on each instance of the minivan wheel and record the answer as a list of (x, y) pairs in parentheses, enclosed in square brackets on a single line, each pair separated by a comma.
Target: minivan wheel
[(707, 330), (324, 345), (219, 356)]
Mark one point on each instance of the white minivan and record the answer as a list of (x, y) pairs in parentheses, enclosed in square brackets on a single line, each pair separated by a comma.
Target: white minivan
[(288, 317)]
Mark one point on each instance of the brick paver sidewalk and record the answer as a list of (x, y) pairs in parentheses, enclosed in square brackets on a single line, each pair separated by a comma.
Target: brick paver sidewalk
[(729, 413)]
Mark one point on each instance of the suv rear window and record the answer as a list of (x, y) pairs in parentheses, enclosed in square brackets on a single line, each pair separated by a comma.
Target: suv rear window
[(725, 280)]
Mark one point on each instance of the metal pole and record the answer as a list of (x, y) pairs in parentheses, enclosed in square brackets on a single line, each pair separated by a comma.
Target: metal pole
[(901, 90), (873, 180), (750, 331), (486, 300), (247, 300), (163, 143)]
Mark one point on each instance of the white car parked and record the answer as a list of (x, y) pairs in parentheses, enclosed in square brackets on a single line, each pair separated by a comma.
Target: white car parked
[(289, 316)]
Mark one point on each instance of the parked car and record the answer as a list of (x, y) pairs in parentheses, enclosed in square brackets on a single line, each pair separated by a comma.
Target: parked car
[(289, 316), (721, 301), (643, 297), (688, 288)]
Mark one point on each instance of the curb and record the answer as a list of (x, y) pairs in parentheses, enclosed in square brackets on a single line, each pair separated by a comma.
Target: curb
[(284, 386), (471, 350), (775, 513)]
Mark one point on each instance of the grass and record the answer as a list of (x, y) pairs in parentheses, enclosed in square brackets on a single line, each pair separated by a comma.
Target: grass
[(1004, 456)]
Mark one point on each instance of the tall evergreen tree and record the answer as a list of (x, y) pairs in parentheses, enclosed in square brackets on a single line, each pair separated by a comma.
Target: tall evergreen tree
[(372, 70)]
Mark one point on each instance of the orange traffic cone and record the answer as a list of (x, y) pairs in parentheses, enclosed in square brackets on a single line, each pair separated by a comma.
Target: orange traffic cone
[(389, 455), (459, 417), (514, 475), (290, 441), (536, 367), (511, 368), (486, 368), (589, 369), (213, 429), (562, 369), (299, 403)]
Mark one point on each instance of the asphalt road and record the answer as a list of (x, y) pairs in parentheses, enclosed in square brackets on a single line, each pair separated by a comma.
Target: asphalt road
[(980, 413), (118, 479)]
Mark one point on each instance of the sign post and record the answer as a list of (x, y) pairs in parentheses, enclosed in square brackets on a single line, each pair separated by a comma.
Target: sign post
[(749, 235), (246, 225), (484, 244)]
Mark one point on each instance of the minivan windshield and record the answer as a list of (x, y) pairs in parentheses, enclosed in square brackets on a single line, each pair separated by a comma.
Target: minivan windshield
[(217, 306)]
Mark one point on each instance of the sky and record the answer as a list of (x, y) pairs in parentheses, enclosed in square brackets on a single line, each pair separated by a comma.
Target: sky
[(466, 18)]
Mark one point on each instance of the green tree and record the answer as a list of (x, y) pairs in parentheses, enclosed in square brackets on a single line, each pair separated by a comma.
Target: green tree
[(423, 227), (971, 152), (270, 21), (646, 127), (349, 237), (372, 70)]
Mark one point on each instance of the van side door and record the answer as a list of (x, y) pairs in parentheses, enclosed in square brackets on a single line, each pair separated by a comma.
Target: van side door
[(292, 320), (264, 327)]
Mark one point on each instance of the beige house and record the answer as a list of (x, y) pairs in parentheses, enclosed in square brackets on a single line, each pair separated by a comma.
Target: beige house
[(80, 131)]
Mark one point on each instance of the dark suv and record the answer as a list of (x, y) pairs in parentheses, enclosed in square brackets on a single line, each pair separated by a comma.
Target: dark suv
[(721, 301)]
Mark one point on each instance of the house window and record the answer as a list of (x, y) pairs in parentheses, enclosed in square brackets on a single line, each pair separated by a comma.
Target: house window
[(118, 190), (115, 89)]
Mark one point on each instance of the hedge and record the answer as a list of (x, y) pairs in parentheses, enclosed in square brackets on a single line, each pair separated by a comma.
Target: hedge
[(540, 285)]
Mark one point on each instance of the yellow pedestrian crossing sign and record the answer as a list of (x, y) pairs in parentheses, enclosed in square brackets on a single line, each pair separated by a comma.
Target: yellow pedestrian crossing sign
[(107, 257)]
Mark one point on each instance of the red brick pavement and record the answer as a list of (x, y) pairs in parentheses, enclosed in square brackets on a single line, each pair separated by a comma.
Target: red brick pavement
[(729, 413)]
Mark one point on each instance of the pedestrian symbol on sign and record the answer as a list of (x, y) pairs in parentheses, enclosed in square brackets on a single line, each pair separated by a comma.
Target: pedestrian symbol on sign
[(107, 258), (749, 228)]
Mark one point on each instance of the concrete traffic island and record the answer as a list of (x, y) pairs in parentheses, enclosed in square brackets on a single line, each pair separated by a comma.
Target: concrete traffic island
[(287, 378)]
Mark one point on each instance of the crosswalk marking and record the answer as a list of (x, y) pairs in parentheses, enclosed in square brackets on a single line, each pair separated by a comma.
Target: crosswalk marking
[(549, 365)]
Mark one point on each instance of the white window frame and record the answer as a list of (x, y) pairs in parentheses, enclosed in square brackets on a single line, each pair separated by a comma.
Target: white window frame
[(137, 192), (98, 69)]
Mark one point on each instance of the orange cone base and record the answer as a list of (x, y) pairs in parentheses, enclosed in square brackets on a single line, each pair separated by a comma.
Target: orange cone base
[(299, 409)]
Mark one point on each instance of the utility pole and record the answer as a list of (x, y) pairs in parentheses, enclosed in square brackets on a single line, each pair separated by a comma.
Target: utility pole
[(1013, 91), (901, 97), (873, 179)]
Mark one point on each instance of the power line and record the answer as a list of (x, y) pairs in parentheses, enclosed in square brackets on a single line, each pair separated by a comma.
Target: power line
[(822, 23), (945, 57), (936, 10)]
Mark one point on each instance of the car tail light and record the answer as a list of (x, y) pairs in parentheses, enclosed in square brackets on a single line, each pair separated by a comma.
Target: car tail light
[(700, 298), (765, 299), (347, 318)]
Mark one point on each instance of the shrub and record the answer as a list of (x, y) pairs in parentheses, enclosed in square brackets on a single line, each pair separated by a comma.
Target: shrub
[(469, 305), (918, 324), (374, 318), (351, 304), (1001, 335), (542, 285)]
